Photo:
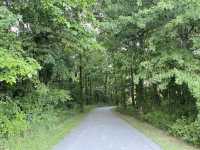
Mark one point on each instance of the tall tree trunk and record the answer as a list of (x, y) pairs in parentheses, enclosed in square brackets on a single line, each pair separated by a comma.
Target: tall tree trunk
[(124, 98), (111, 97), (132, 87), (140, 95), (123, 90), (172, 94), (81, 83), (156, 96), (105, 84), (90, 87)]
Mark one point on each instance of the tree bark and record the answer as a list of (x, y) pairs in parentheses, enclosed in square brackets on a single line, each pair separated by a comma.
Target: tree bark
[(140, 94), (105, 84), (81, 84), (132, 87)]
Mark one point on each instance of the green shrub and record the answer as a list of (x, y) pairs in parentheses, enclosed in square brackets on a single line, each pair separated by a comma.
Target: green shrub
[(57, 96), (12, 120), (179, 127), (17, 125), (22, 113), (185, 128), (43, 98), (129, 111), (159, 119), (190, 132)]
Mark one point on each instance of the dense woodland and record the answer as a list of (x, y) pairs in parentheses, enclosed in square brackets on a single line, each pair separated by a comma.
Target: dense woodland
[(141, 55)]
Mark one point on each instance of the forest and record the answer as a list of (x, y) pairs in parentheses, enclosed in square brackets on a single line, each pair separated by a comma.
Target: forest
[(59, 57)]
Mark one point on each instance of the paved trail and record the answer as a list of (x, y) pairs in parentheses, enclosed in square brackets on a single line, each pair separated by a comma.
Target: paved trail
[(103, 130)]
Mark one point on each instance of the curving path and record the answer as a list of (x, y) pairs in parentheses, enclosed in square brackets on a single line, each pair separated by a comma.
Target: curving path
[(103, 130)]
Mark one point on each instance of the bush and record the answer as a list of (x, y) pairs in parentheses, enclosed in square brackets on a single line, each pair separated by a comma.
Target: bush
[(179, 127), (159, 119), (186, 128), (17, 125), (57, 96), (129, 111), (12, 120), (44, 97), (190, 132), (17, 114)]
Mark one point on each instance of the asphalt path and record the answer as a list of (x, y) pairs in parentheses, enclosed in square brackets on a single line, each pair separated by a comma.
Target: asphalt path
[(104, 130)]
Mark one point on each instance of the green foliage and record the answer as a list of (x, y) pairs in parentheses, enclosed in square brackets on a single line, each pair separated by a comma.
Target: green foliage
[(13, 121), (44, 98), (41, 43), (154, 47), (47, 131), (59, 96), (159, 119), (14, 67), (186, 130), (6, 18), (55, 54), (179, 127), (166, 141), (18, 125)]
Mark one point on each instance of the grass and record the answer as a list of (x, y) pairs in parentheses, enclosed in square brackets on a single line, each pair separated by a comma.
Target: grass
[(47, 134), (159, 136)]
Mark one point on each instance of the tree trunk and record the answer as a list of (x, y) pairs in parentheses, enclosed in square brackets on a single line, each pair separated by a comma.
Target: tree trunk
[(132, 87), (156, 96), (105, 84), (140, 95), (81, 84), (86, 90), (90, 86)]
